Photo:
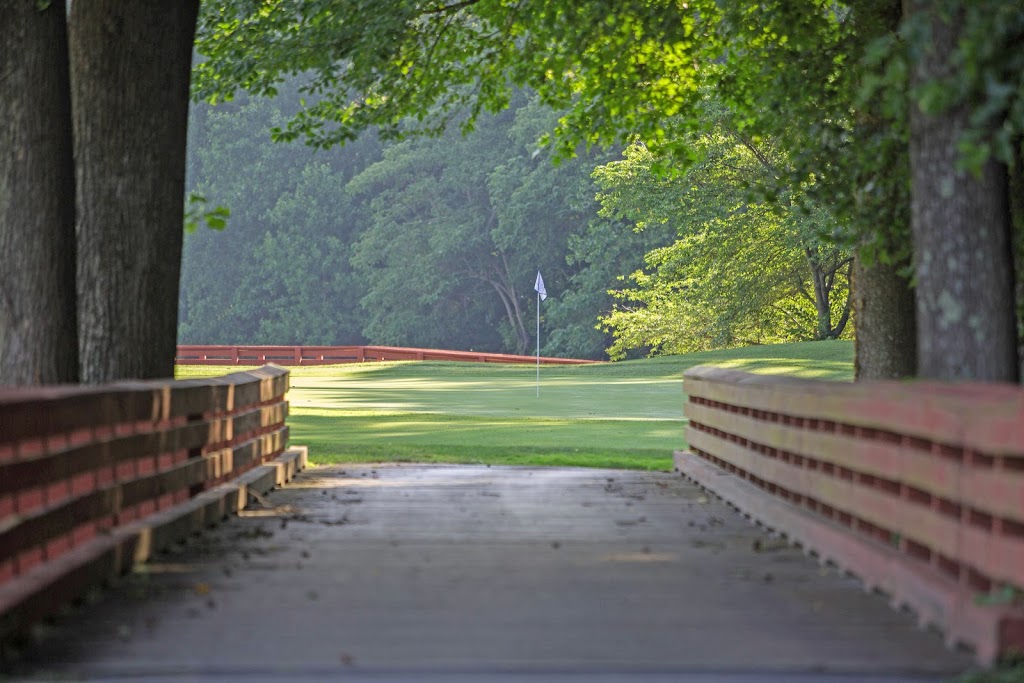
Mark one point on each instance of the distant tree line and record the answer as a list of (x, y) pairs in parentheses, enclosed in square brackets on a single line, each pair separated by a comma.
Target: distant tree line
[(888, 131), (899, 124), (435, 241)]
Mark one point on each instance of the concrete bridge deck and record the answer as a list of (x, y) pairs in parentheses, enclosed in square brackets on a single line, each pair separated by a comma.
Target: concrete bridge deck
[(474, 573)]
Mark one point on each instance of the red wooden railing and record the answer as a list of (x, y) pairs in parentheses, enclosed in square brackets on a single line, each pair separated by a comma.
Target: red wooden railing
[(917, 488), (332, 355), (84, 470)]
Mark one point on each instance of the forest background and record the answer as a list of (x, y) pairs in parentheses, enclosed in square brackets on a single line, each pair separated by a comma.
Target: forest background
[(435, 241)]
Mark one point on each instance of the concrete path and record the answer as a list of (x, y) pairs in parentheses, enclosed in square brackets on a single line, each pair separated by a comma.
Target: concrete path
[(452, 573)]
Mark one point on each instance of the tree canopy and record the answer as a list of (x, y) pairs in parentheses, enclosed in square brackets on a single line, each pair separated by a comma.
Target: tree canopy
[(834, 83), (428, 241), (742, 271)]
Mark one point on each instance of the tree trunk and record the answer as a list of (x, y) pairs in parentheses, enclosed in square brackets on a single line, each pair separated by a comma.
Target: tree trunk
[(821, 294), (1017, 220), (883, 301), (886, 341), (962, 260), (38, 329), (844, 318), (130, 66)]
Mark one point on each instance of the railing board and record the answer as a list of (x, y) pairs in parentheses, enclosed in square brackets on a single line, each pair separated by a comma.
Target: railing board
[(980, 417), (66, 463), (21, 532), (324, 355), (41, 592), (933, 472), (79, 465), (937, 599), (998, 492), (44, 412)]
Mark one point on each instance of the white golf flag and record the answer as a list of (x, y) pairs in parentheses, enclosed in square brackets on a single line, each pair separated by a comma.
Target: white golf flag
[(539, 287)]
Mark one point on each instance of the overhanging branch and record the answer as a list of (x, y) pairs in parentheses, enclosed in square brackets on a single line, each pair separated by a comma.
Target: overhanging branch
[(454, 7)]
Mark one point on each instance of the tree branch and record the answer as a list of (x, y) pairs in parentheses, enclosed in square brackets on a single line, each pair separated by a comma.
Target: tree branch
[(834, 269), (758, 154), (841, 325), (803, 290), (454, 7)]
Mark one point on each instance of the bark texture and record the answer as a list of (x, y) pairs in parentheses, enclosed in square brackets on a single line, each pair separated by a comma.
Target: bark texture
[(962, 240), (129, 83), (1017, 220), (883, 301), (38, 332), (886, 345)]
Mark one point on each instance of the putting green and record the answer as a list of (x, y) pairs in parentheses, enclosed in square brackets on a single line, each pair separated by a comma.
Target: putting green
[(625, 414)]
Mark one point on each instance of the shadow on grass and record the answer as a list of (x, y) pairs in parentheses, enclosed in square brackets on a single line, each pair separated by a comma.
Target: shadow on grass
[(339, 436)]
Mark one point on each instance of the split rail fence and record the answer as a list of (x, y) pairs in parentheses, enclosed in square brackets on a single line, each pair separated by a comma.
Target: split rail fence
[(333, 355), (95, 479), (915, 488)]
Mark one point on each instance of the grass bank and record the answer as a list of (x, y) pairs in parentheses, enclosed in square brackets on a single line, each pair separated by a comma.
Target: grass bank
[(626, 414)]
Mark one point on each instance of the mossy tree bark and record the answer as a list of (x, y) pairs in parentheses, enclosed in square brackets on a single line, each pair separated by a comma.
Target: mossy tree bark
[(883, 299), (38, 330), (886, 345), (130, 66), (962, 239)]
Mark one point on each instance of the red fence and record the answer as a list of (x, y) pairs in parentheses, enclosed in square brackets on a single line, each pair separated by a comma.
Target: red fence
[(332, 355), (918, 489), (93, 479)]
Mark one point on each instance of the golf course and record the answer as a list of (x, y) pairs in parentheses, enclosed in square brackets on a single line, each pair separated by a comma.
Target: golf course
[(626, 414)]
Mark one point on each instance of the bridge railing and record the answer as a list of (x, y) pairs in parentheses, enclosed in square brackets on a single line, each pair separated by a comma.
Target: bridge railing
[(332, 355), (916, 488), (93, 479)]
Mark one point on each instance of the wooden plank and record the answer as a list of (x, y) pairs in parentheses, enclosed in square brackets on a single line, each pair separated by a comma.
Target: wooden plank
[(35, 412), (42, 591), (999, 493), (990, 630), (326, 355), (38, 412), (69, 462), (987, 418), (22, 532), (1001, 558)]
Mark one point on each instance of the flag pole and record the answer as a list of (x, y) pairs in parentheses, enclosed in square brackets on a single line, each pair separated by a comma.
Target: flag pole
[(542, 294)]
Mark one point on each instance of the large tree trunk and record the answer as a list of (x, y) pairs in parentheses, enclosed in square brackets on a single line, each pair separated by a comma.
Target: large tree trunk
[(1017, 220), (883, 301), (130, 65), (962, 255), (886, 343), (38, 331)]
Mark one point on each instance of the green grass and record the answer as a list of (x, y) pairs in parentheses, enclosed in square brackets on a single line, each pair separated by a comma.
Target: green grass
[(626, 414)]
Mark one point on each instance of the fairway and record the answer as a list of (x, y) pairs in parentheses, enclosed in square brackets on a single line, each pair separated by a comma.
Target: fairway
[(626, 414)]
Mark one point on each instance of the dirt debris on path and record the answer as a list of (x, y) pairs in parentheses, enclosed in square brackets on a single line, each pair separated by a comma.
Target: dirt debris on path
[(432, 568)]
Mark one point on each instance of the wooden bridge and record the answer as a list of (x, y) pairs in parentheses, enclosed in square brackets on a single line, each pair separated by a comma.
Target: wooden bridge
[(401, 572)]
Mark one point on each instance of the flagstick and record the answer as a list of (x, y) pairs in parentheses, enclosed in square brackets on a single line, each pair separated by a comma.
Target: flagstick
[(538, 344)]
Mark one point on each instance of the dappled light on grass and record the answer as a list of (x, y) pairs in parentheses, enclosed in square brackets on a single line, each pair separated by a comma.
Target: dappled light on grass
[(498, 395), (829, 370), (339, 436), (627, 414)]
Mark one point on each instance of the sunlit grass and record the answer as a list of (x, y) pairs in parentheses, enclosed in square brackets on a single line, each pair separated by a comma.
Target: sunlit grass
[(624, 414)]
